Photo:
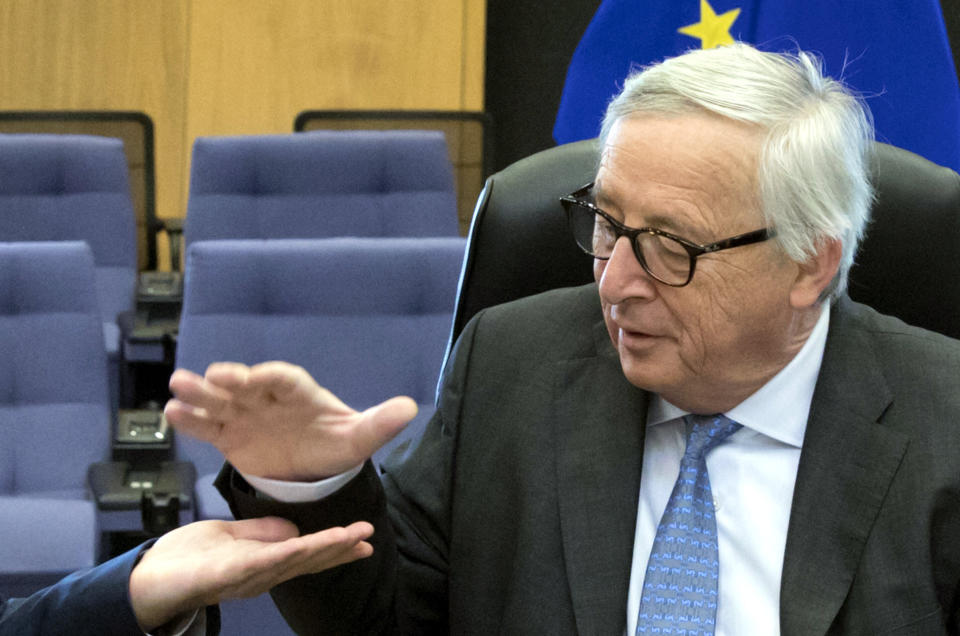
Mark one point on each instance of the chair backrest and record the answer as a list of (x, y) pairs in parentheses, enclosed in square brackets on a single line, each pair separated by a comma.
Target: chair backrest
[(468, 135), (519, 243), (906, 263), (368, 318), (73, 188), (54, 404), (135, 130), (321, 184)]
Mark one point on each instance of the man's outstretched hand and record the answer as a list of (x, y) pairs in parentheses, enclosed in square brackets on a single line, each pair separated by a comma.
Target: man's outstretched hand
[(206, 562), (273, 420)]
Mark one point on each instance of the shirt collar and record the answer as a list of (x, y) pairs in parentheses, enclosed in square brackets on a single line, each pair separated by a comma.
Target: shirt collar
[(780, 408)]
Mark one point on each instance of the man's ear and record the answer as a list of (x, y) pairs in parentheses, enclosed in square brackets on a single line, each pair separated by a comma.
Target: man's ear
[(815, 274)]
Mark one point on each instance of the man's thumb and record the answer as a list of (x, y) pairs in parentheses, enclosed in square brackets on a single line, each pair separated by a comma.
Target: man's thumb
[(387, 419)]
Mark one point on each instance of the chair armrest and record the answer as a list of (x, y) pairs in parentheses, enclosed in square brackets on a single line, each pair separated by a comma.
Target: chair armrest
[(173, 226), (159, 492), (120, 486)]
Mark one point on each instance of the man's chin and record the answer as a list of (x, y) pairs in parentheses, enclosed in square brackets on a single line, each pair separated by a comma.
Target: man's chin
[(643, 371)]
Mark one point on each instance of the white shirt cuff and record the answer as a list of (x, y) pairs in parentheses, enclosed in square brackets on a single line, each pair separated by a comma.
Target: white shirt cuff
[(301, 491)]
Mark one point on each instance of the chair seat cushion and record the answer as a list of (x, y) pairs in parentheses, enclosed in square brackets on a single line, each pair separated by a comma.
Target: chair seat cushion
[(44, 535)]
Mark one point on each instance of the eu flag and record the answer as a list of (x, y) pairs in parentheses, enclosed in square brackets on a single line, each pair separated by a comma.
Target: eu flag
[(894, 53)]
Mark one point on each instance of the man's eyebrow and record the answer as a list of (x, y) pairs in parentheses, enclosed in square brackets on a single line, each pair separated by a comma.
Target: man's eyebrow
[(670, 224), (600, 197), (595, 193), (659, 220)]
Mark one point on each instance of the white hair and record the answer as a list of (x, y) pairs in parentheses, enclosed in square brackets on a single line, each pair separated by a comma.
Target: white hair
[(813, 173)]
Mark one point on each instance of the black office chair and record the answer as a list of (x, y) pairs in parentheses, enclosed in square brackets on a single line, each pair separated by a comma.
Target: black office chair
[(908, 265)]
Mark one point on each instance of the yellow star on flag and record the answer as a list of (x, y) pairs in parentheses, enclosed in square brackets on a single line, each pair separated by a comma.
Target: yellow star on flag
[(712, 29)]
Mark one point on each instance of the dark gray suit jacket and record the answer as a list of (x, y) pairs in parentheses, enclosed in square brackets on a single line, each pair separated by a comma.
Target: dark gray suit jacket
[(516, 512)]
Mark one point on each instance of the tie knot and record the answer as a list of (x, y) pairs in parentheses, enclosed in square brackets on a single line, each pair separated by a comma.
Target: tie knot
[(708, 431)]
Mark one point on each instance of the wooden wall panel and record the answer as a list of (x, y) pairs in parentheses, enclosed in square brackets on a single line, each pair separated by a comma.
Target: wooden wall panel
[(474, 54), (102, 55), (215, 67), (255, 64)]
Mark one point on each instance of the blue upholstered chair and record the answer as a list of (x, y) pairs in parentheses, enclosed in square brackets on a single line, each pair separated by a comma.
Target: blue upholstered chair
[(368, 318), (321, 184), (54, 410), (75, 188)]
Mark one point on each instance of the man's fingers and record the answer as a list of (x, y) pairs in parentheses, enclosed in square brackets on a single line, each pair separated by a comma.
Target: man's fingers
[(231, 376), (283, 381), (217, 395), (273, 419), (322, 550), (325, 560), (208, 561), (323, 546), (193, 421), (266, 529), (277, 562), (258, 582), (332, 538), (281, 376), (197, 391), (277, 530), (280, 542)]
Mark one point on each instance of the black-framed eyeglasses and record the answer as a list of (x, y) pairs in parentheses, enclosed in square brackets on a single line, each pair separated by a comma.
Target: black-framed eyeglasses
[(667, 257)]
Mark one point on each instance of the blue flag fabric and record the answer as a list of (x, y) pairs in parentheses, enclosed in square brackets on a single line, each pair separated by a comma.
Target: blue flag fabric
[(895, 53)]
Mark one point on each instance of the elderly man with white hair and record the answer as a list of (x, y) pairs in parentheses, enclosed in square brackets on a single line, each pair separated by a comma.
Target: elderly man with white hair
[(711, 438)]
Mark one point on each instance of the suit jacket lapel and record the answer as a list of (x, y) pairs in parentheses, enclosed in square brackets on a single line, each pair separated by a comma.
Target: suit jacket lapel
[(599, 453), (846, 466)]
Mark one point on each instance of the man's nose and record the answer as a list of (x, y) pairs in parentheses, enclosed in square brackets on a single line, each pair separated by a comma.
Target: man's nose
[(622, 275)]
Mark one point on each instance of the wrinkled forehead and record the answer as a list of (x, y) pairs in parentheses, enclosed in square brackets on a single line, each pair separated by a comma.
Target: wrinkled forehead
[(697, 168)]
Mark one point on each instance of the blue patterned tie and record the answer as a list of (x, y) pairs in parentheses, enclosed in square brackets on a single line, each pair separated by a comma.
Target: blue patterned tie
[(680, 588)]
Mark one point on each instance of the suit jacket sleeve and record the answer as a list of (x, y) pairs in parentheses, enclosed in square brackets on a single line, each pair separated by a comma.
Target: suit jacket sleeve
[(90, 602), (402, 588)]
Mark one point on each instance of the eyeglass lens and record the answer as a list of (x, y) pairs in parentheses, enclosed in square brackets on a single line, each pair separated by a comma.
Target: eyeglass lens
[(663, 257)]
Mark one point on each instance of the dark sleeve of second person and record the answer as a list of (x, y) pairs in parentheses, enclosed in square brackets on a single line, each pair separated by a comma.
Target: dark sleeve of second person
[(91, 601)]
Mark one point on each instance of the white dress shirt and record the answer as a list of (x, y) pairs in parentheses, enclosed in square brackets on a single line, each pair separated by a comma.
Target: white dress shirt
[(752, 476)]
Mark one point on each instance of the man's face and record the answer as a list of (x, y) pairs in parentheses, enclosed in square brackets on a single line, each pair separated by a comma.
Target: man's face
[(706, 346)]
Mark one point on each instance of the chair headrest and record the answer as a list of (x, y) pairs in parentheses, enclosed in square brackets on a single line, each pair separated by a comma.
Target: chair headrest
[(519, 243), (909, 261)]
